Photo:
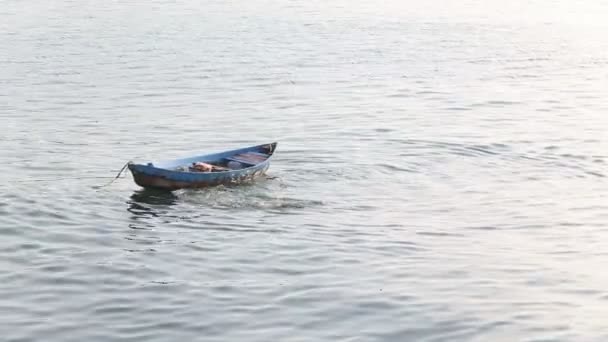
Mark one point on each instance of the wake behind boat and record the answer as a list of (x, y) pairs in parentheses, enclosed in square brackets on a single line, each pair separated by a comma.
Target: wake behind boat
[(229, 167)]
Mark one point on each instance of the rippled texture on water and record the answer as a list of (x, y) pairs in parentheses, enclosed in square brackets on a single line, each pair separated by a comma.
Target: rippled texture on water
[(441, 171)]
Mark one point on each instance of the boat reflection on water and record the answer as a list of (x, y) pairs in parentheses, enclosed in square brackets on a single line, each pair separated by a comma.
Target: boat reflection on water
[(150, 202), (154, 197), (148, 208)]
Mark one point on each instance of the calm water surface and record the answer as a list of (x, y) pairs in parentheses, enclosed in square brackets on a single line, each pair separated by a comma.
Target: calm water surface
[(441, 171)]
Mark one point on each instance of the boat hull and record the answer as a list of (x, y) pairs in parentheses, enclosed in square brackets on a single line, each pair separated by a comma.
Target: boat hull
[(160, 182), (158, 177)]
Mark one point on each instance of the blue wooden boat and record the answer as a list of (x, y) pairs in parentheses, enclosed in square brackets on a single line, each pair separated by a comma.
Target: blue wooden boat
[(229, 167)]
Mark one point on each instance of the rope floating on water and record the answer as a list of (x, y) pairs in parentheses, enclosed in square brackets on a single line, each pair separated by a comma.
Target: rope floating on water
[(59, 179), (113, 179)]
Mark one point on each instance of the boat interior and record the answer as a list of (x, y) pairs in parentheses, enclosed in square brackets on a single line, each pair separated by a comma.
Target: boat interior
[(227, 163)]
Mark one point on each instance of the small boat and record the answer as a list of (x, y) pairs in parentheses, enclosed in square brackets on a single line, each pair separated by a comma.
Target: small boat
[(229, 167)]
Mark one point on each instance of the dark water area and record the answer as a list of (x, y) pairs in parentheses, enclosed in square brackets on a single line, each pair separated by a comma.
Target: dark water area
[(440, 175)]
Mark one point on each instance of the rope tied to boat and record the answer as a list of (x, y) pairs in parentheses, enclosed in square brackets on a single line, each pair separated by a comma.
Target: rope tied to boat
[(117, 176)]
